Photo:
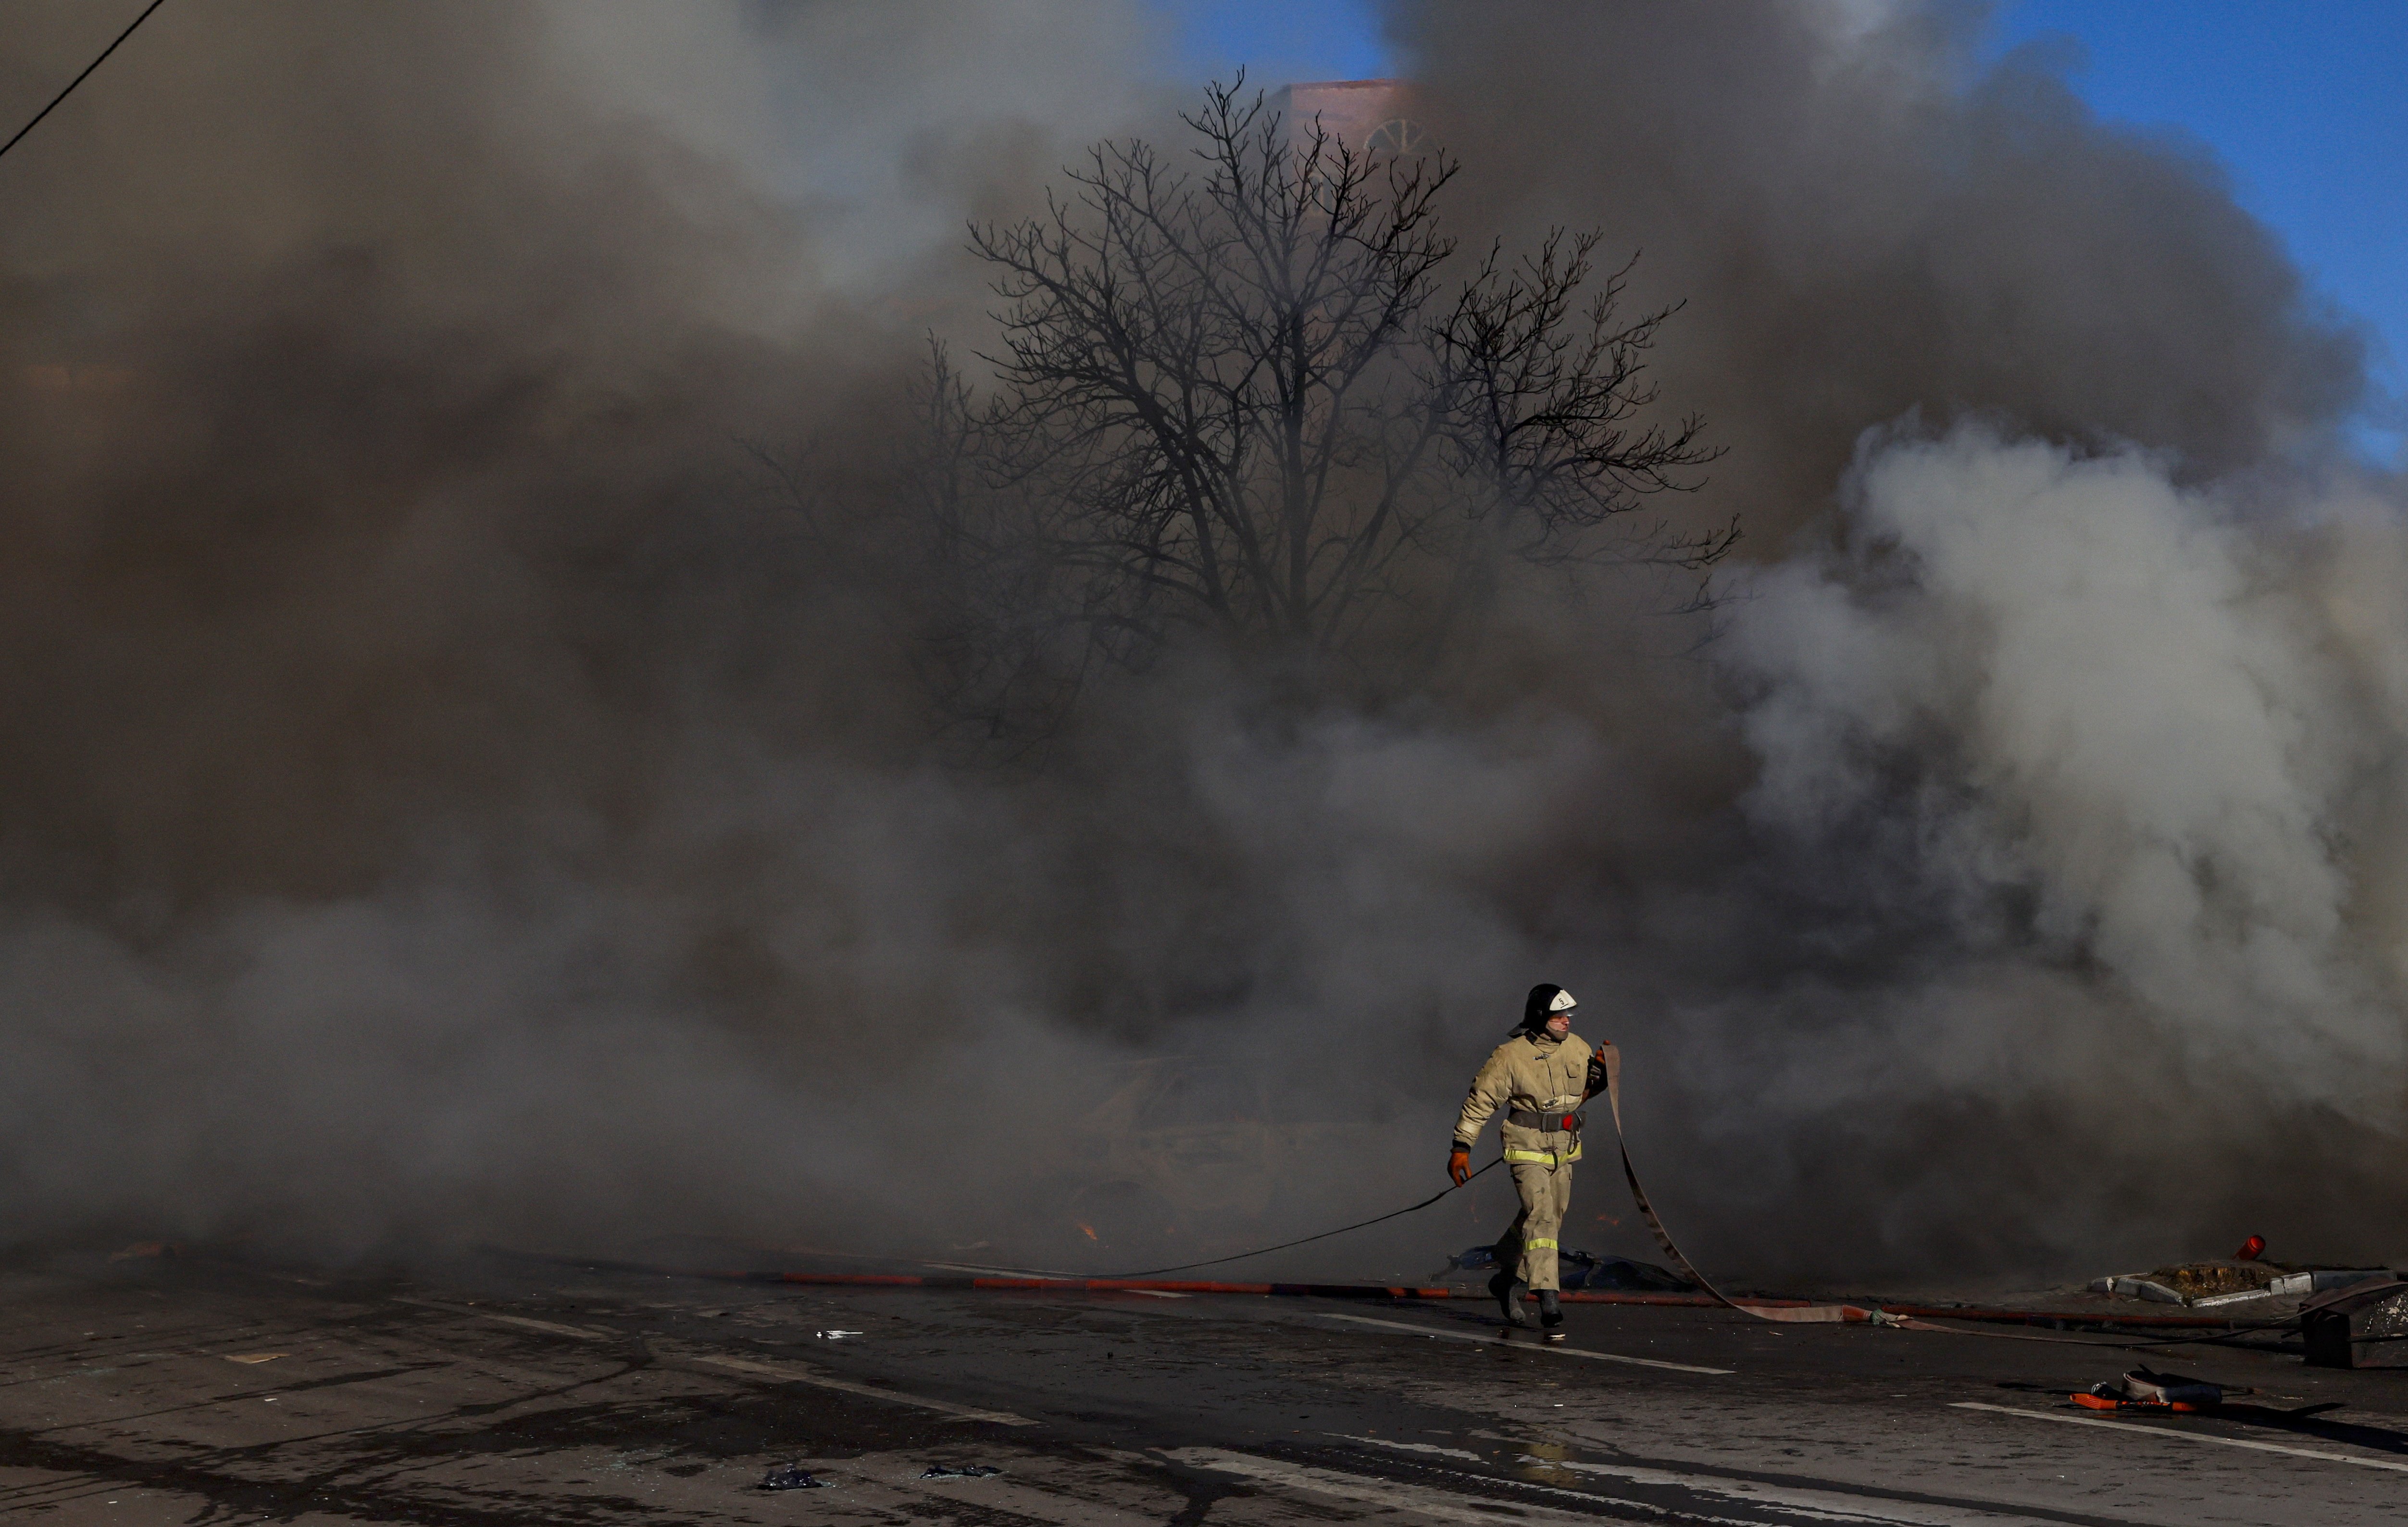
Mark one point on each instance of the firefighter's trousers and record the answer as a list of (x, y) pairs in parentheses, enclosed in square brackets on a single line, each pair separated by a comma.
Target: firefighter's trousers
[(1529, 1245)]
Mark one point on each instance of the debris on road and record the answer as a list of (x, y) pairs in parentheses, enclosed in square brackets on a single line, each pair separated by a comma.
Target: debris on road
[(252, 1356), (835, 1335), (1585, 1271), (947, 1471), (1620, 1273), (2207, 1284), (792, 1477), (2163, 1392), (2364, 1326)]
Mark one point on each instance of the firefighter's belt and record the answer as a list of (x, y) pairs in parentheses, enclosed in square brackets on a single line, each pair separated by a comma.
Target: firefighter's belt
[(1550, 1122)]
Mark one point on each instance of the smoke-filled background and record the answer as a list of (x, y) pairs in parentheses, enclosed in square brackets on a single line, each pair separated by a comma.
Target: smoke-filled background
[(456, 786)]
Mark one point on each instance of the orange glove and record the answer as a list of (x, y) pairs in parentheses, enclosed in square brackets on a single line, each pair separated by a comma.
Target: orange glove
[(1597, 1073), (1458, 1166)]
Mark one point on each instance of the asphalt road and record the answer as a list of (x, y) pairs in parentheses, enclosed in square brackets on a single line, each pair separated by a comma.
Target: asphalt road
[(206, 1390)]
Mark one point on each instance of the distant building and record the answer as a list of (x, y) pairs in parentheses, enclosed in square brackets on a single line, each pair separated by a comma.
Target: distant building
[(1373, 114)]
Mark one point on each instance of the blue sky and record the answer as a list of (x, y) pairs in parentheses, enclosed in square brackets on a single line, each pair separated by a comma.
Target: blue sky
[(2306, 103)]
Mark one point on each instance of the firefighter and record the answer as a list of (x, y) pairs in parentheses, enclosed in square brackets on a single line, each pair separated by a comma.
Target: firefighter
[(1540, 1078)]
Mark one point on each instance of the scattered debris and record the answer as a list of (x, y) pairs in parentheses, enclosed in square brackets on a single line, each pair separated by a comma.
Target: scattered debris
[(1621, 1274), (2133, 1285), (2364, 1326), (252, 1356), (2208, 1279), (2326, 1279), (1583, 1270), (948, 1471), (2203, 1285), (835, 1335), (792, 1477), (2163, 1392)]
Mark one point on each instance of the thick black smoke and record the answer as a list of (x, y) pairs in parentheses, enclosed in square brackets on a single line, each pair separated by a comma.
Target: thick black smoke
[(448, 783), (453, 789), (1864, 223)]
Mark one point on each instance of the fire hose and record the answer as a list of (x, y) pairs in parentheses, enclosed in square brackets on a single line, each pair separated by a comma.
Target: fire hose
[(1812, 1314), (1815, 1314), (1763, 1308), (1284, 1246), (1782, 1310), (1818, 1314), (1611, 1058)]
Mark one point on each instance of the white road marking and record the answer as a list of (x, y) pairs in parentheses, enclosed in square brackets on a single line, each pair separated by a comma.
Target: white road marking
[(1557, 1350), (786, 1372), (1431, 1447), (582, 1333), (1814, 1504), (1417, 1499), (795, 1373), (2394, 1465)]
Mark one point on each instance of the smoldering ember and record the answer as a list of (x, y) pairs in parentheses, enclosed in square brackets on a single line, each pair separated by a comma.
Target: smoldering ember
[(881, 749)]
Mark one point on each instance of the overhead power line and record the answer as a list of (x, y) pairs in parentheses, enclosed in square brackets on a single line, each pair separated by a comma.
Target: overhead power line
[(79, 80)]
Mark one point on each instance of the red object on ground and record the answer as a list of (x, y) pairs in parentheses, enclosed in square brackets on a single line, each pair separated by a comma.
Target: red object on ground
[(2251, 1249), (2058, 1319), (2100, 1402)]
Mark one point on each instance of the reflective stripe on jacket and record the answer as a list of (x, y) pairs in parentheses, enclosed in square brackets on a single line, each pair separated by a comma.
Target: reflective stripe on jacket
[(1534, 1073)]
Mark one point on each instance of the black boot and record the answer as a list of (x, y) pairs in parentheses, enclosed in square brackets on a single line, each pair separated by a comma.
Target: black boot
[(1551, 1314), (1509, 1290)]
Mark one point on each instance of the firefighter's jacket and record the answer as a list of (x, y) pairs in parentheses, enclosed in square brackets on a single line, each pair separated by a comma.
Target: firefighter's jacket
[(1537, 1074)]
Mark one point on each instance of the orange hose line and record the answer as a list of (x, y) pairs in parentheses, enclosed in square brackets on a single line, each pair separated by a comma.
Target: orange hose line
[(1393, 1292)]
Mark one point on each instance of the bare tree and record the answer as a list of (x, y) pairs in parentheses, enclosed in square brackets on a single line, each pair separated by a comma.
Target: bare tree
[(1247, 397), (1009, 634)]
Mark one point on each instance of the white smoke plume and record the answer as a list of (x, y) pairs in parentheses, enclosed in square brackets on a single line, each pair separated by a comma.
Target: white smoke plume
[(2083, 688), (2105, 750)]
